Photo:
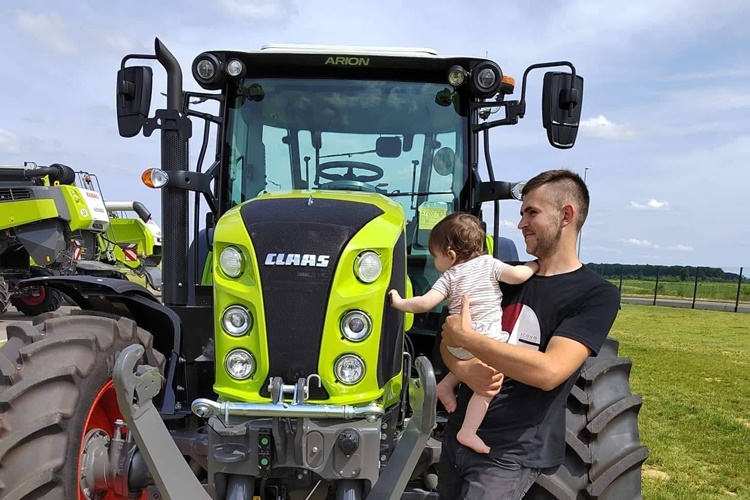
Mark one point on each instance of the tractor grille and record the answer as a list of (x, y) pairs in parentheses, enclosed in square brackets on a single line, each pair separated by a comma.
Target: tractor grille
[(296, 297), (15, 194)]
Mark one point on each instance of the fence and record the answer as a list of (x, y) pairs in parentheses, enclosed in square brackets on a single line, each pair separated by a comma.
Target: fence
[(724, 289)]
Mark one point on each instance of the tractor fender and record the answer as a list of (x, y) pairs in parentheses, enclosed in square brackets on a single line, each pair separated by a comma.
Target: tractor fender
[(120, 297)]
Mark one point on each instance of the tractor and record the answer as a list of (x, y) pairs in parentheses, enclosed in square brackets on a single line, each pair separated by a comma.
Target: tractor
[(273, 366), (55, 221)]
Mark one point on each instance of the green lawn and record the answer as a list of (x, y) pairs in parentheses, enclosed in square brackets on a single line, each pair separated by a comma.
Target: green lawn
[(692, 368), (708, 290)]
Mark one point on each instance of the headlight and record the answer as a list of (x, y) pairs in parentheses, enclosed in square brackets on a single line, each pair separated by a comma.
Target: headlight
[(240, 364), (486, 79), (235, 68), (236, 320), (206, 69), (356, 325), (456, 76), (367, 266), (231, 262), (349, 369)]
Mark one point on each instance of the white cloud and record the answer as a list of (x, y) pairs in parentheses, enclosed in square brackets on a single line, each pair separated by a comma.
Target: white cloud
[(9, 142), (120, 43), (682, 248), (602, 128), (47, 29), (652, 204), (258, 9), (507, 223), (639, 243)]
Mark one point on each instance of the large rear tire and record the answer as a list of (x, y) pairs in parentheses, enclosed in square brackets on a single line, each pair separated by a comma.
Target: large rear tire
[(55, 388), (603, 455)]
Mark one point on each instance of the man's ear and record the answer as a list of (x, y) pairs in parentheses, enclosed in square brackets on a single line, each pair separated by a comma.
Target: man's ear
[(569, 214)]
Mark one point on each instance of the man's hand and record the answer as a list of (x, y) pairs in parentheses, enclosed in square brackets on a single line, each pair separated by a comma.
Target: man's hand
[(481, 379), (457, 330)]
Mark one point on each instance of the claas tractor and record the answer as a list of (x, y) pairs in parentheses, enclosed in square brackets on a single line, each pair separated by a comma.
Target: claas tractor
[(273, 366), (55, 221)]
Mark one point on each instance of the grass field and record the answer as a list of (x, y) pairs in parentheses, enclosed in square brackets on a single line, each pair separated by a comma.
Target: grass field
[(692, 368), (723, 291)]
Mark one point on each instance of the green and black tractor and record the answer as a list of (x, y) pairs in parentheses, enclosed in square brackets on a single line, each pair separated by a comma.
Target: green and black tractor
[(274, 366), (50, 225)]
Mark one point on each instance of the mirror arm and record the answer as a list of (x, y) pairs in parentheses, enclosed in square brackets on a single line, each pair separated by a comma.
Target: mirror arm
[(513, 111), (571, 104)]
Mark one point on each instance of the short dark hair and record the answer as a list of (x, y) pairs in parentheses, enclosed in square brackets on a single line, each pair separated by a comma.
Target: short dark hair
[(566, 187), (461, 232)]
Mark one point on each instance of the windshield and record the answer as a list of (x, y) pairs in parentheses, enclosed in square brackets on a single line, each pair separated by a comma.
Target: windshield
[(404, 140)]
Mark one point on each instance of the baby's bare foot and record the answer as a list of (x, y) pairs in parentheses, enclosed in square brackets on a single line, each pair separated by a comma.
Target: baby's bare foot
[(447, 397), (473, 441)]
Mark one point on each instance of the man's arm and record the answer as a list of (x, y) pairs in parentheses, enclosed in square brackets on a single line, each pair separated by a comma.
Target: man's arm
[(564, 354), (544, 370)]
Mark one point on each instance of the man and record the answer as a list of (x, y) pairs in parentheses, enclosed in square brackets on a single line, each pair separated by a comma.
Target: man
[(557, 319)]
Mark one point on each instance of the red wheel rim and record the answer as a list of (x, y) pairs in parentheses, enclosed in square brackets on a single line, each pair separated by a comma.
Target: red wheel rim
[(35, 300), (102, 415)]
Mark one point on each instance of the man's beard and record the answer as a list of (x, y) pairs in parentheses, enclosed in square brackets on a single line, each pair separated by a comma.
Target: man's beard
[(547, 242)]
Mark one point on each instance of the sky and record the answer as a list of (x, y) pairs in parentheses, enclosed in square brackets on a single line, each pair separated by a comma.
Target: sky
[(664, 141)]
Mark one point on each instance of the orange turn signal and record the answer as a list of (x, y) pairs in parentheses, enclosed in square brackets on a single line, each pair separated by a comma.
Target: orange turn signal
[(146, 177)]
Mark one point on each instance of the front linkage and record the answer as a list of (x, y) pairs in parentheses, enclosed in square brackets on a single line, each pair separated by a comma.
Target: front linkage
[(246, 449)]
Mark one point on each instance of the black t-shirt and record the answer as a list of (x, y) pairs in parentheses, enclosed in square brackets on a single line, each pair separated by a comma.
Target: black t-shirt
[(525, 424)]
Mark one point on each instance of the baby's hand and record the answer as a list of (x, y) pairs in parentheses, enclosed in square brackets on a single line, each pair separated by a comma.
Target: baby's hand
[(395, 297)]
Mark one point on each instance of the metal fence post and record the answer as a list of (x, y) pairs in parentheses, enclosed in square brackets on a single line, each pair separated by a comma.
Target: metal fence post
[(695, 288), (656, 287), (739, 285)]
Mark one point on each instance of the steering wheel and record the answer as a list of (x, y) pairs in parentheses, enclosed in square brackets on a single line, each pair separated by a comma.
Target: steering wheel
[(350, 166)]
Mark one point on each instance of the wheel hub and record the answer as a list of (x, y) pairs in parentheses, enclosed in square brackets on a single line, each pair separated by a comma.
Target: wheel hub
[(95, 464)]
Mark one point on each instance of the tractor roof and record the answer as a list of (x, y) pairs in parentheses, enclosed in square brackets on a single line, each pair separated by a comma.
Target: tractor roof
[(350, 50)]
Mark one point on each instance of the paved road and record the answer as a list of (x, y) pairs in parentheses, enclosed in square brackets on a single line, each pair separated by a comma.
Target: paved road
[(13, 316), (688, 303)]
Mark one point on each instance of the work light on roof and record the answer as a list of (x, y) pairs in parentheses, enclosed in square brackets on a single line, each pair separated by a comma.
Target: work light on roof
[(456, 76), (235, 68), (486, 78)]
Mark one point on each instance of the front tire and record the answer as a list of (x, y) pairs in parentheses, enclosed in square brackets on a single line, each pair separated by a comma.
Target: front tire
[(55, 388), (4, 295)]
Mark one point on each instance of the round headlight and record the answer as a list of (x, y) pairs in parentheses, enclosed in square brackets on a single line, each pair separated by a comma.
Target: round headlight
[(349, 369), (486, 78), (356, 325), (234, 67), (206, 69), (456, 76), (236, 321), (240, 364), (367, 266), (231, 262)]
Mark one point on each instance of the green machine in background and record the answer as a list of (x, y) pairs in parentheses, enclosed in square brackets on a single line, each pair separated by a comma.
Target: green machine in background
[(51, 226)]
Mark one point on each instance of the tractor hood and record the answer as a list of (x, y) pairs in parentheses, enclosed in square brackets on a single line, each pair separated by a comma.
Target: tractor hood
[(303, 249)]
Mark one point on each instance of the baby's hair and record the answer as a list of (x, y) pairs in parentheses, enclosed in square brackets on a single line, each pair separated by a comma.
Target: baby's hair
[(460, 232)]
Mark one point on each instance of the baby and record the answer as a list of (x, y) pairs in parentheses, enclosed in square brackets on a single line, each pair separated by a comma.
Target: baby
[(457, 244)]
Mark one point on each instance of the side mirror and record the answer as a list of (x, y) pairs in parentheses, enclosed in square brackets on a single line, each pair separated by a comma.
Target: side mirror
[(388, 147), (562, 101), (133, 99)]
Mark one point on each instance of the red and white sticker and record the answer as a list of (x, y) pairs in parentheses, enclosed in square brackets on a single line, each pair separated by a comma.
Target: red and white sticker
[(131, 251)]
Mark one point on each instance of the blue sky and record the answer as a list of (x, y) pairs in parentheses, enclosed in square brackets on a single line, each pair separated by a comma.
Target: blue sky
[(665, 130)]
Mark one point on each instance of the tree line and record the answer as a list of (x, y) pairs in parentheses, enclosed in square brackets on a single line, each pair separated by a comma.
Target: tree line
[(667, 273)]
